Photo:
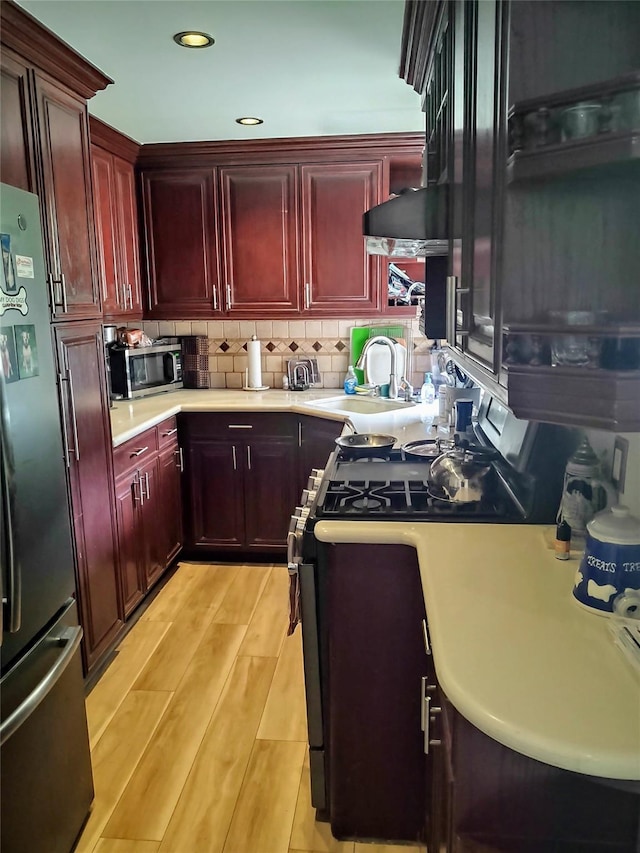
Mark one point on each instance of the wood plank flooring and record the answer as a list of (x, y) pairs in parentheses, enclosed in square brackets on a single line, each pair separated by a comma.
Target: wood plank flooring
[(198, 726)]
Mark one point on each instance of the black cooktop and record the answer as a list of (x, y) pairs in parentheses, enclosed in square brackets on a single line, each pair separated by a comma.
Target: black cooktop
[(396, 488)]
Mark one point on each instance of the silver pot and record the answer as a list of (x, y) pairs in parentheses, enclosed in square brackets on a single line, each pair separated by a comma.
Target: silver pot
[(461, 475)]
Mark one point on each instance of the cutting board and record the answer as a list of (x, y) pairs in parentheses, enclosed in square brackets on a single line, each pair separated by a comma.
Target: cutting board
[(360, 335), (378, 364)]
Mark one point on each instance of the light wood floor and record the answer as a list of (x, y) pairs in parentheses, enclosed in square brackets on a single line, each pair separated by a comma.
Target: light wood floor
[(197, 728)]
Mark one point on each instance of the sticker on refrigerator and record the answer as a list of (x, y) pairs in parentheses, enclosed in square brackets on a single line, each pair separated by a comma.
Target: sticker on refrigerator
[(27, 351), (24, 266), (10, 296), (8, 358)]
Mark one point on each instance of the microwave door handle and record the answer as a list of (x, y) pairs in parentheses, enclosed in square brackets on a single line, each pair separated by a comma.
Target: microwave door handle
[(171, 367)]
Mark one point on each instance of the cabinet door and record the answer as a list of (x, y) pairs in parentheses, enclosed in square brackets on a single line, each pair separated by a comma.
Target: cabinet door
[(16, 138), (259, 215), (477, 305), (126, 216), (270, 492), (215, 509), (181, 226), (67, 202), (129, 544), (339, 278), (316, 440), (85, 410), (168, 527), (153, 556), (102, 168)]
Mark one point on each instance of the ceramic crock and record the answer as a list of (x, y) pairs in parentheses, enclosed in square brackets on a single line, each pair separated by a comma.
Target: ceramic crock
[(610, 568)]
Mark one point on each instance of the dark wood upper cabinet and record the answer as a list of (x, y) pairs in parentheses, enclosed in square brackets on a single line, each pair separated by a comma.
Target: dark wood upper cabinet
[(102, 168), (541, 219), (338, 276), (280, 221), (259, 207), (113, 157), (181, 242), (67, 202), (16, 139)]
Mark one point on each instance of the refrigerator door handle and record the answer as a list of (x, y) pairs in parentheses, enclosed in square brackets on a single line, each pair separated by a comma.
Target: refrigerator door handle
[(13, 597), (68, 641)]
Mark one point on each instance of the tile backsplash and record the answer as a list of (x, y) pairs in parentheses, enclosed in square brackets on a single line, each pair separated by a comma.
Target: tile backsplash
[(328, 341)]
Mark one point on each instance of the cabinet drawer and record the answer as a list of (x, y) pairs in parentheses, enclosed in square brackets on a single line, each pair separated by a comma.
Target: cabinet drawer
[(239, 425), (135, 451), (167, 432)]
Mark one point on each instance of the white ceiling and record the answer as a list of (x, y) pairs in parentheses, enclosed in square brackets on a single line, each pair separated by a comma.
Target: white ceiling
[(307, 67)]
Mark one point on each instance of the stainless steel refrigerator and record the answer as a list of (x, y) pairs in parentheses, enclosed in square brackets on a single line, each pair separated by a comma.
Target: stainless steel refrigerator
[(45, 765)]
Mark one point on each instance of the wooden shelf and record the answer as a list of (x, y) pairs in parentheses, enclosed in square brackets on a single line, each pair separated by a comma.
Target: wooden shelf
[(602, 399), (611, 330), (605, 150), (595, 91)]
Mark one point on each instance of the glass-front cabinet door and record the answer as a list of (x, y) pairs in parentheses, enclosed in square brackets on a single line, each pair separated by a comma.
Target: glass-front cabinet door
[(477, 179)]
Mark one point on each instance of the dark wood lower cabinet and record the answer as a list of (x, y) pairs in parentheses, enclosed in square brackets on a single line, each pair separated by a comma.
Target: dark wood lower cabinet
[(81, 372), (242, 480), (316, 440), (376, 767), (508, 802), (405, 765), (149, 509)]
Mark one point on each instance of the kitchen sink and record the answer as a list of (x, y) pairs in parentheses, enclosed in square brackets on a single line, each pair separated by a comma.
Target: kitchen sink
[(362, 405)]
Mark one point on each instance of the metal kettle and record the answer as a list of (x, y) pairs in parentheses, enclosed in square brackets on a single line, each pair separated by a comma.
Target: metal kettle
[(584, 492), (460, 475)]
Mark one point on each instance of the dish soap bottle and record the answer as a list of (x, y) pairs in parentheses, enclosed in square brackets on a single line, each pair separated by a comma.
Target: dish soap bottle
[(350, 381), (428, 391)]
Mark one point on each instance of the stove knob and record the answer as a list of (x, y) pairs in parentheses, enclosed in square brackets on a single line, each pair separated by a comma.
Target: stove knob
[(317, 473), (308, 495)]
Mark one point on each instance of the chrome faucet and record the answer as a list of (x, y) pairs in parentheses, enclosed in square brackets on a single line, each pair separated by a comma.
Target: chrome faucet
[(362, 361)]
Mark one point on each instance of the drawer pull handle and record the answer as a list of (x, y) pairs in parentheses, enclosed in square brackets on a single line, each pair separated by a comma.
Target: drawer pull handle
[(425, 635), (240, 426), (138, 452), (170, 432)]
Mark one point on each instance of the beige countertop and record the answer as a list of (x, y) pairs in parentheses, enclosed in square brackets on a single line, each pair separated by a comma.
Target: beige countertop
[(128, 419), (513, 651)]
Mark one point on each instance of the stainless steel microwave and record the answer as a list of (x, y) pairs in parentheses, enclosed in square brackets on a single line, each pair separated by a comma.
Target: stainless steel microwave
[(140, 371)]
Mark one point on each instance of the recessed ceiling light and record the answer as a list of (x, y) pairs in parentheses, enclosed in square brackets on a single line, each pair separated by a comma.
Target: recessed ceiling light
[(249, 120), (193, 38)]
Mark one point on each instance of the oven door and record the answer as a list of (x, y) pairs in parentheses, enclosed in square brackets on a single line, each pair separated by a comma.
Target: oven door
[(304, 608)]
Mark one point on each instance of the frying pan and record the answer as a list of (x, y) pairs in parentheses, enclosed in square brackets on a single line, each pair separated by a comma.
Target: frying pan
[(366, 444), (426, 449)]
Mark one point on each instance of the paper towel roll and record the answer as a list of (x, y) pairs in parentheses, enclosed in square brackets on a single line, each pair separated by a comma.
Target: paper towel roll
[(254, 373)]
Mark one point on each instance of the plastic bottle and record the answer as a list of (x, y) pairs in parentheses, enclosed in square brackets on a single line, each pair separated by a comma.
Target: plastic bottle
[(428, 391), (350, 381), (442, 404)]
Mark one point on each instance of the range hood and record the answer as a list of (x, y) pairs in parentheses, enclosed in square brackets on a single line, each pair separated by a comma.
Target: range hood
[(410, 225)]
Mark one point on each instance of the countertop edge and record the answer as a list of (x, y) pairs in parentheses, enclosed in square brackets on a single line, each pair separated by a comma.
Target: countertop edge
[(598, 762)]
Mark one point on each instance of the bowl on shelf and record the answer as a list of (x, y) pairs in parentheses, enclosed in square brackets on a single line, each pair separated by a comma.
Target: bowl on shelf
[(580, 121), (576, 350)]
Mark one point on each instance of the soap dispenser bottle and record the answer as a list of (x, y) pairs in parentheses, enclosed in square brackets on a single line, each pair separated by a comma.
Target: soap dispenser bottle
[(428, 391), (350, 381)]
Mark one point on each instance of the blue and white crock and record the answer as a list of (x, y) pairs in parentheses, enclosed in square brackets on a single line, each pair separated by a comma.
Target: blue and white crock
[(608, 579)]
